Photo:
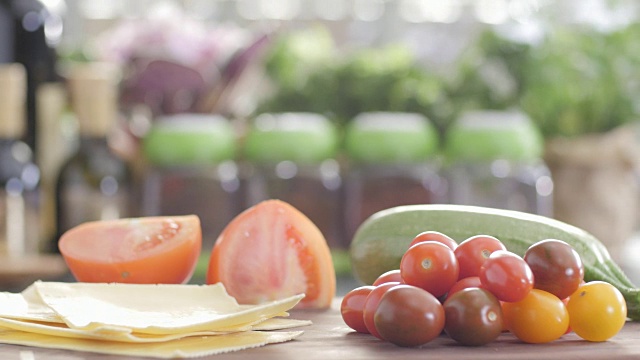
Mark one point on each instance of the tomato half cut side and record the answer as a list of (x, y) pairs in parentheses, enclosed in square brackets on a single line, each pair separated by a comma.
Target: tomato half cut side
[(272, 251), (148, 250)]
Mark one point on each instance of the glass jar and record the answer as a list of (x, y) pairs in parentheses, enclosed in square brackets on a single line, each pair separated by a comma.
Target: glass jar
[(292, 157), (495, 160), (393, 161), (191, 170)]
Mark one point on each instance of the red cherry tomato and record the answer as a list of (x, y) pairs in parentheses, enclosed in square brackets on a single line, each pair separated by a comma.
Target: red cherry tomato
[(434, 236), (389, 276), (473, 252), (352, 307), (468, 282), (371, 304), (507, 276), (431, 266)]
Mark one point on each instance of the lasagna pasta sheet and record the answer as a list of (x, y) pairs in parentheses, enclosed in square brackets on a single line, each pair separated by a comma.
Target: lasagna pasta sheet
[(187, 347), (162, 321), (154, 309)]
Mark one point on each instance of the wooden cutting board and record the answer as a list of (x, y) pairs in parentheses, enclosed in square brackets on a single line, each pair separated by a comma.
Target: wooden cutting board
[(329, 338)]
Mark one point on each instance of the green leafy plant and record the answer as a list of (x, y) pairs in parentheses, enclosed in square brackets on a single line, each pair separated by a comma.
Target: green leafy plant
[(578, 80), (344, 85)]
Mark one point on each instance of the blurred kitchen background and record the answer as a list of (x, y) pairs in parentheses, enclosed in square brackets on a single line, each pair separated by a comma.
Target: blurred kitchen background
[(114, 108)]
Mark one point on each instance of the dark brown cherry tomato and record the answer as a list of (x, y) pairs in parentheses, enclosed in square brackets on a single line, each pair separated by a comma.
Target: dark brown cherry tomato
[(409, 316), (556, 266), (507, 276), (430, 265), (473, 252), (352, 308), (371, 304), (434, 236), (473, 317), (389, 276)]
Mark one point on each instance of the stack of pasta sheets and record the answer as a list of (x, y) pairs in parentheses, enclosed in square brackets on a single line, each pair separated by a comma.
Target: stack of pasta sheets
[(163, 321)]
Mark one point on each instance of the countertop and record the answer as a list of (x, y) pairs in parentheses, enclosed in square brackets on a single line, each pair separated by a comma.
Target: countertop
[(330, 338)]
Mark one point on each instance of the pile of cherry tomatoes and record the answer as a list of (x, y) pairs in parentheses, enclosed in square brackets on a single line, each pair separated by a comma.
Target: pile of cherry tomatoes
[(475, 290)]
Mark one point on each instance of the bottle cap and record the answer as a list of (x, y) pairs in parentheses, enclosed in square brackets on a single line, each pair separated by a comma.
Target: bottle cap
[(491, 135), (93, 88), (390, 137), (13, 87), (298, 137), (185, 139)]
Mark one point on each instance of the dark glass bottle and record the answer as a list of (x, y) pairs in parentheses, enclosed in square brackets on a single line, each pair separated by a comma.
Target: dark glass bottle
[(95, 183), (23, 39), (19, 175)]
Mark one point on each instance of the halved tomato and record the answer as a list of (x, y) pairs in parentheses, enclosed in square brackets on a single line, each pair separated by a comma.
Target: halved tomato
[(147, 250), (271, 251)]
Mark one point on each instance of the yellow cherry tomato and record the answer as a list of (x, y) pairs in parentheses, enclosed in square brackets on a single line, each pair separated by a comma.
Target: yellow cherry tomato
[(540, 317), (597, 311)]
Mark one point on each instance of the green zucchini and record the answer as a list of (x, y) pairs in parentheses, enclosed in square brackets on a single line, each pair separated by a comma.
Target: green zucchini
[(382, 239)]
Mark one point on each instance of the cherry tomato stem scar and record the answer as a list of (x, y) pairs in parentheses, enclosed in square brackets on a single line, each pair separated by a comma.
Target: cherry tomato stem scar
[(426, 263)]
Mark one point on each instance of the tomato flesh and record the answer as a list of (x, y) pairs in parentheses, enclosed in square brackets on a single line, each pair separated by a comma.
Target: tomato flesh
[(271, 251), (142, 250)]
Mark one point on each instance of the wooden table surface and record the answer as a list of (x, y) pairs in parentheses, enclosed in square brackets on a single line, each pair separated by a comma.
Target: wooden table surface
[(329, 338)]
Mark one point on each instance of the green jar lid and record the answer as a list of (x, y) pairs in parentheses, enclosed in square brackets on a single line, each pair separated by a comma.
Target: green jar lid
[(185, 139), (389, 137), (490, 135), (299, 137)]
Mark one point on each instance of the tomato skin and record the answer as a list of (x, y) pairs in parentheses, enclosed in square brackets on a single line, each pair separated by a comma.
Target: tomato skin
[(147, 250), (371, 304), (389, 276), (352, 307), (464, 283), (434, 236), (540, 317), (597, 311), (472, 253), (431, 266), (507, 276), (409, 316), (271, 251), (556, 266), (473, 317)]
